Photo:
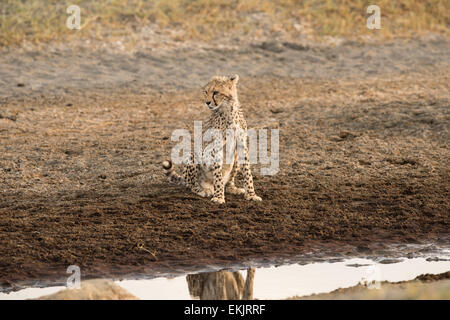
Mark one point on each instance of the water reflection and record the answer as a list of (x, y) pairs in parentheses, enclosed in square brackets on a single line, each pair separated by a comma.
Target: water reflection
[(272, 282), (221, 285)]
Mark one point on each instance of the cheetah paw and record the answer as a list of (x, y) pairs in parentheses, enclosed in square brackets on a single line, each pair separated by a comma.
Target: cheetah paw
[(236, 190), (253, 197), (204, 193), (218, 200)]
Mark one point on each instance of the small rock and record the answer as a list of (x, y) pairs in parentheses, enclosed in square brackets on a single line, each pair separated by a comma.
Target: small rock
[(272, 46), (276, 110), (389, 261)]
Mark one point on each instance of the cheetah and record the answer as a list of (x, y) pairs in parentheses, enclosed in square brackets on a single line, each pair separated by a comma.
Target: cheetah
[(211, 178)]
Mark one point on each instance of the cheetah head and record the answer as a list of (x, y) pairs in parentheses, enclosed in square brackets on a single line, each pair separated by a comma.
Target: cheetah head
[(220, 89)]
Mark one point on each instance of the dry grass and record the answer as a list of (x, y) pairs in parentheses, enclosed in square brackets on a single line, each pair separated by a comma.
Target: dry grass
[(37, 21)]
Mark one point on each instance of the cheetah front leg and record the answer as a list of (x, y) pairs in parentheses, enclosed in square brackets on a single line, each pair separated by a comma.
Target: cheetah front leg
[(248, 178), (215, 160), (248, 184), (219, 190), (231, 187)]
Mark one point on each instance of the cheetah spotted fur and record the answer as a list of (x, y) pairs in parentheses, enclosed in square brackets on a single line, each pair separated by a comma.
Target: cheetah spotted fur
[(210, 179)]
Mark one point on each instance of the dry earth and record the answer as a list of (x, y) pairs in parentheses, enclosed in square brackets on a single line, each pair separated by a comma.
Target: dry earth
[(364, 155)]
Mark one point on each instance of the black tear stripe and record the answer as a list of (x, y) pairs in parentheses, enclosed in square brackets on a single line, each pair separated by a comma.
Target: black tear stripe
[(214, 93)]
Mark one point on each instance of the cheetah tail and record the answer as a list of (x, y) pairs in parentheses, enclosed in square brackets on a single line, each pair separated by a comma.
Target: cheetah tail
[(171, 174)]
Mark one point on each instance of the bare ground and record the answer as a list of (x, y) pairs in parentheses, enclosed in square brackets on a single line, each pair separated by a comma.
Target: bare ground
[(364, 155)]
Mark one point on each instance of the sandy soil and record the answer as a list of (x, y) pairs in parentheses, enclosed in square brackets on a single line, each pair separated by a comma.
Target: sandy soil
[(364, 157)]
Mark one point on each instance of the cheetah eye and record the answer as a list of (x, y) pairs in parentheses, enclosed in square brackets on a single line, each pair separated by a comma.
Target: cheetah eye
[(214, 93)]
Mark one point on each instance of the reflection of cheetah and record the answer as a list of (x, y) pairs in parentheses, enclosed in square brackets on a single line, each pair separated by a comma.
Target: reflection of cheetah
[(221, 285), (210, 178)]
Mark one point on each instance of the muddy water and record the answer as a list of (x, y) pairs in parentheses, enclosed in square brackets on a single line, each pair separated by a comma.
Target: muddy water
[(291, 280), (274, 282)]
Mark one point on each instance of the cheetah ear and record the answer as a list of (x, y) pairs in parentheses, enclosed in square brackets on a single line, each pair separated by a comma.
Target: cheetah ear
[(234, 78)]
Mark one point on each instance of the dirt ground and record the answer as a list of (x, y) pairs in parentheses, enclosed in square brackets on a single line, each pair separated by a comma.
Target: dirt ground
[(364, 155)]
